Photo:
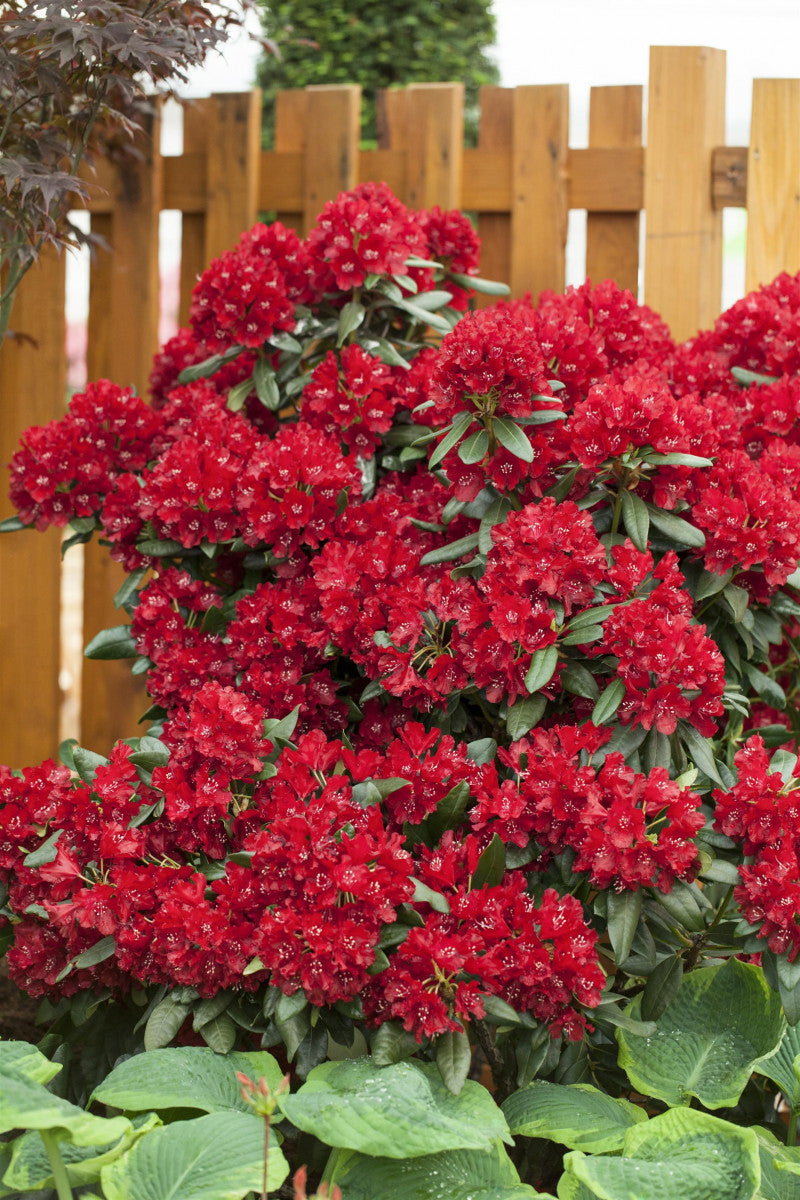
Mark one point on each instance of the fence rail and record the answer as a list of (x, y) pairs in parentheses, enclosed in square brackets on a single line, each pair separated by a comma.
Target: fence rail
[(520, 181)]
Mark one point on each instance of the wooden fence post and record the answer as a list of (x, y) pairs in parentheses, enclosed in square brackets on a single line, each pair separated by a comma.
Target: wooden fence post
[(612, 239), (234, 154), (686, 119), (539, 188), (33, 386), (773, 181), (122, 338), (495, 132), (333, 126)]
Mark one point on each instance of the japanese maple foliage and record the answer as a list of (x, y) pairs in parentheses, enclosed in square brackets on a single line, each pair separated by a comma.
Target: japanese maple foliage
[(466, 633)]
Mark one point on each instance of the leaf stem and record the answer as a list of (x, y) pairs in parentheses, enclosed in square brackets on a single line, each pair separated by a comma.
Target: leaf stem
[(791, 1135), (60, 1177)]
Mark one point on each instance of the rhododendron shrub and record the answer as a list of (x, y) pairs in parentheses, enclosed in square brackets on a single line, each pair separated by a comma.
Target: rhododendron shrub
[(471, 640)]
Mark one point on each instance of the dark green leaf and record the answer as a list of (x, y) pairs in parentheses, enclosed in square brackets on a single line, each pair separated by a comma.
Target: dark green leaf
[(350, 318), (474, 448), (699, 751), (523, 715), (662, 987), (491, 865), (678, 460), (488, 287), (747, 378), (511, 436), (451, 551), (112, 643), (636, 518), (453, 1058), (542, 668), (608, 703), (579, 680), (458, 428), (266, 385), (623, 913), (676, 529), (238, 394), (425, 895)]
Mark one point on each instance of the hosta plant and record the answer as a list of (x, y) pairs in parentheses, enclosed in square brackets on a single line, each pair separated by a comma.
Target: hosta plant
[(471, 641)]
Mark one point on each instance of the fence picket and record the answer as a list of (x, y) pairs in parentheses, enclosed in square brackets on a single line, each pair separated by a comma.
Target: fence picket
[(612, 238), (331, 146), (539, 189), (33, 370), (495, 133), (234, 154), (434, 140), (686, 120), (773, 181)]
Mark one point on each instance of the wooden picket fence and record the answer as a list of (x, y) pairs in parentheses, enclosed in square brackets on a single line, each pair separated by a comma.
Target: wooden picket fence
[(520, 181)]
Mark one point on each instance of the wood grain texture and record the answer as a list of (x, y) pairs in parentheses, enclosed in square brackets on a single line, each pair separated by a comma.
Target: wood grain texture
[(683, 248), (495, 138), (122, 338), (290, 138), (32, 386), (331, 146), (191, 171), (612, 237), (434, 139), (234, 152), (539, 212), (773, 181)]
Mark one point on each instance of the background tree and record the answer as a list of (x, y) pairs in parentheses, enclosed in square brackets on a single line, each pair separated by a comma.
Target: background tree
[(75, 80), (377, 45)]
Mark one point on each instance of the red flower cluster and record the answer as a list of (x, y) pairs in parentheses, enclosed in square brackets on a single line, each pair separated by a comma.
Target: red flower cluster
[(762, 812), (495, 941), (628, 830)]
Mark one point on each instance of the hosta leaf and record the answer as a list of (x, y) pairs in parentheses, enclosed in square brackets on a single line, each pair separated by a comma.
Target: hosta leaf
[(451, 1175), (681, 1153), (783, 1067), (185, 1077), (30, 1167), (218, 1157), (780, 1167), (21, 1060), (724, 1021), (25, 1104), (399, 1111), (578, 1116)]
